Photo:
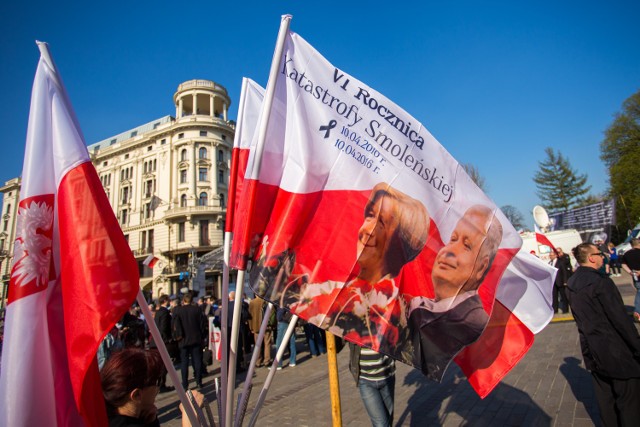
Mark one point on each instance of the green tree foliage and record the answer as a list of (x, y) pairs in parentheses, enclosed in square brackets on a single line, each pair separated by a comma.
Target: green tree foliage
[(559, 186), (514, 216), (620, 151)]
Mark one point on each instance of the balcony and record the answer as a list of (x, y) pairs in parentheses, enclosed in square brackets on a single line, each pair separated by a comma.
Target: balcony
[(188, 211), (143, 251)]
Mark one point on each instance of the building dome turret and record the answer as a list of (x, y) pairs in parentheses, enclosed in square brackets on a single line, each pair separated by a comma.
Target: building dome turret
[(201, 98)]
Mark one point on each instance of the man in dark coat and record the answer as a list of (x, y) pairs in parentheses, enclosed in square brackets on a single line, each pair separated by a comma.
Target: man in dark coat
[(163, 322), (560, 284), (609, 340), (190, 331)]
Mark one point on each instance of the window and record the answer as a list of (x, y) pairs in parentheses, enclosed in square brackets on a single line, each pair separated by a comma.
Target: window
[(220, 156), (224, 137), (149, 148), (183, 155), (222, 200), (202, 153), (126, 238), (113, 141), (9, 208), (181, 233), (125, 195), (183, 201), (6, 224), (183, 176), (105, 163), (150, 241), (155, 125), (124, 217), (203, 133), (143, 239), (220, 176), (203, 200), (134, 133), (126, 156), (204, 232), (180, 135), (202, 174), (147, 210), (164, 141), (149, 187)]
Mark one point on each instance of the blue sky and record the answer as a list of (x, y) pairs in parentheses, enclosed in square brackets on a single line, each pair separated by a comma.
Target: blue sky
[(494, 82)]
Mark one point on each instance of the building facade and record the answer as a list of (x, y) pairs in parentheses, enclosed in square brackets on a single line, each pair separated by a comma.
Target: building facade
[(167, 182)]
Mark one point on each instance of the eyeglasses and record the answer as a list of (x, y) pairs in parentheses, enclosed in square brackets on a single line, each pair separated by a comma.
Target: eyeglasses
[(597, 253)]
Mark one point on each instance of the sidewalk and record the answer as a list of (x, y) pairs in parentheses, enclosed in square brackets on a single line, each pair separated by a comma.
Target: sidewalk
[(549, 387)]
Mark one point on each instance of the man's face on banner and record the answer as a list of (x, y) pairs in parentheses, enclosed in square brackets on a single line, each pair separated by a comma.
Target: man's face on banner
[(459, 261), (374, 237)]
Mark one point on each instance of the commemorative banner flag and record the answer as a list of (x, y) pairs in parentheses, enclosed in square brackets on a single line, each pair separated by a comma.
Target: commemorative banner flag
[(361, 223)]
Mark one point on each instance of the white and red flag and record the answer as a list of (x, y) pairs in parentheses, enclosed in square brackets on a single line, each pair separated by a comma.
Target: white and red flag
[(249, 107), (360, 222), (151, 261), (543, 240), (73, 274)]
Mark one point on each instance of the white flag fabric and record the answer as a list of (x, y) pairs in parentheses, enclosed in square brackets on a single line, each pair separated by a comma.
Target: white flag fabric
[(73, 273), (360, 222)]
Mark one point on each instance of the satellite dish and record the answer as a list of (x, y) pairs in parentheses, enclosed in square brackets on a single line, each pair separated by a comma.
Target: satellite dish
[(540, 217)]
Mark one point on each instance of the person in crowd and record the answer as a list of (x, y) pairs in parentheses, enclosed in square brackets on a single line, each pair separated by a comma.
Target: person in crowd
[(614, 260), (566, 261), (560, 283), (130, 384), (109, 345), (442, 326), (610, 342), (190, 331), (284, 318), (631, 264), (375, 378), (163, 321), (256, 312), (315, 339)]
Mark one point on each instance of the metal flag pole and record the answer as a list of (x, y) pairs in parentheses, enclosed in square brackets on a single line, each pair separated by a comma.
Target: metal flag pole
[(255, 174), (246, 390), (272, 370)]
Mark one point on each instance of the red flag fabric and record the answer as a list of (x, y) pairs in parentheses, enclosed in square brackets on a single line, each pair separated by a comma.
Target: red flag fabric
[(360, 222), (73, 275), (151, 261), (544, 240)]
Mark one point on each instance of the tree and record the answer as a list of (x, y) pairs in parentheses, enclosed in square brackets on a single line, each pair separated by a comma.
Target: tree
[(475, 176), (620, 151), (560, 188), (514, 216)]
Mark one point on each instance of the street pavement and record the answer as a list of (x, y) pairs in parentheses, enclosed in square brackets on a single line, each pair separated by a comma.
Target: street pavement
[(549, 387)]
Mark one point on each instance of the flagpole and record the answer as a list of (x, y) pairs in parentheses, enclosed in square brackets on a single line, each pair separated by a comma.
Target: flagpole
[(334, 380), (157, 338), (224, 331), (272, 371), (244, 397), (255, 174)]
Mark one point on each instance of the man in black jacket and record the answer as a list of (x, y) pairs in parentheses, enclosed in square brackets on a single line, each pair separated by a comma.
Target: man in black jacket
[(163, 322), (190, 330), (609, 340)]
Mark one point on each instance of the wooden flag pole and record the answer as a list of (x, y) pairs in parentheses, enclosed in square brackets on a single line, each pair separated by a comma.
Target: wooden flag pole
[(334, 381)]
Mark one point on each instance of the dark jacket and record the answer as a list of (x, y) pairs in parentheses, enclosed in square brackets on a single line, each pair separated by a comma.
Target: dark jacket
[(438, 337), (190, 325), (609, 340), (163, 322)]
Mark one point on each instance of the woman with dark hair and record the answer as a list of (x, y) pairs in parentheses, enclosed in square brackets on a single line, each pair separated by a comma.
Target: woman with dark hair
[(130, 384)]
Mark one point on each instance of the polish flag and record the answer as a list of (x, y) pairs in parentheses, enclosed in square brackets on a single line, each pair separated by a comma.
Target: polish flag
[(327, 145), (249, 107), (543, 240), (151, 261), (73, 274)]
